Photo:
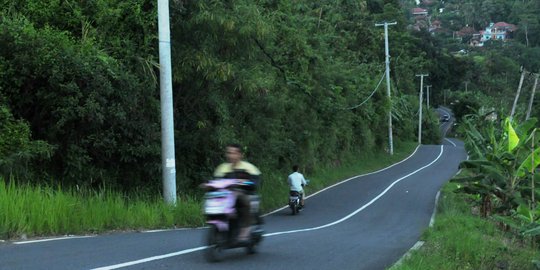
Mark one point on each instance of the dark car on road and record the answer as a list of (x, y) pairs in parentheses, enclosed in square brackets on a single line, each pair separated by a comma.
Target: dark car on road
[(445, 118)]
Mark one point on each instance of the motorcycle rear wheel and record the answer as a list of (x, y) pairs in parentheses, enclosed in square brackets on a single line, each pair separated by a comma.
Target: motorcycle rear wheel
[(294, 208)]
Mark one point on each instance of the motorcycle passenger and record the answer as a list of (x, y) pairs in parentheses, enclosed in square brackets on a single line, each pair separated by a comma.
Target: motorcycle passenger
[(296, 182), (236, 168)]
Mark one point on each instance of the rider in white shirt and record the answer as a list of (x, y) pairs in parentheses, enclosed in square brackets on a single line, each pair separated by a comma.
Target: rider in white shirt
[(296, 182)]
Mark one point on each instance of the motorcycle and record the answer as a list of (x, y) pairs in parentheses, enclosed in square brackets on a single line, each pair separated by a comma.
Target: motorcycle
[(294, 201), (222, 217)]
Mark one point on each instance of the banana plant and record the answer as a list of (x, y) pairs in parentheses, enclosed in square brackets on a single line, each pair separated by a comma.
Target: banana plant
[(524, 220), (501, 161)]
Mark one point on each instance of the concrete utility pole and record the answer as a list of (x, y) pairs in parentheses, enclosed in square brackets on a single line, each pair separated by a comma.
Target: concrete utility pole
[(531, 100), (466, 87), (420, 109), (427, 92), (388, 93), (168, 161), (444, 93), (517, 94)]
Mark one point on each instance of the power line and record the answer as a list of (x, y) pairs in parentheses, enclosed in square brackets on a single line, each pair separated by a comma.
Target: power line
[(369, 97)]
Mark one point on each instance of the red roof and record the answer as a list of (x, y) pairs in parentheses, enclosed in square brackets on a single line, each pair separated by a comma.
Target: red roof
[(466, 31), (419, 10), (504, 25)]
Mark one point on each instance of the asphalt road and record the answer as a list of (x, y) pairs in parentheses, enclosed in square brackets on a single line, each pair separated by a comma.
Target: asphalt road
[(446, 126), (366, 222)]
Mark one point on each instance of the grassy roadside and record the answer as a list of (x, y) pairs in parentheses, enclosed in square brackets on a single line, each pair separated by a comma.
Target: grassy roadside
[(462, 240), (38, 211), (27, 211)]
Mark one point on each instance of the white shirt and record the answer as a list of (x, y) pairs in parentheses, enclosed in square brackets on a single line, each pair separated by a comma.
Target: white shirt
[(296, 180)]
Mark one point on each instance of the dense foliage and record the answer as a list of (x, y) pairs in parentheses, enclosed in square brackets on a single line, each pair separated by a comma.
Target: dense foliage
[(284, 78), (93, 112), (502, 172)]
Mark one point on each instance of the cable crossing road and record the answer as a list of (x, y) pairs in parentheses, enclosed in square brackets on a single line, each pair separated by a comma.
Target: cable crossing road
[(365, 222)]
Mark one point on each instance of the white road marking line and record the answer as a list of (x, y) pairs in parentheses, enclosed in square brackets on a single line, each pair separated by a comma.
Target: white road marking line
[(51, 239), (361, 208), (347, 180), (277, 210), (444, 110), (416, 246), (432, 220), (88, 236), (169, 230), (451, 142), (448, 124), (419, 244), (116, 266)]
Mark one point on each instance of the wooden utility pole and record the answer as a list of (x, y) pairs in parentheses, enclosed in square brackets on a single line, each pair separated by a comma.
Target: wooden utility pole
[(388, 93), (518, 92), (531, 100), (420, 108)]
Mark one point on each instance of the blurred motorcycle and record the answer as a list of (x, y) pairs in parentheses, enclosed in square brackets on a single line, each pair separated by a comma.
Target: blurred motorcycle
[(220, 210)]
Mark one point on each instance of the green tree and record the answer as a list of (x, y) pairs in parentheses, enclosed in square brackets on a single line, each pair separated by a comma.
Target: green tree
[(18, 152)]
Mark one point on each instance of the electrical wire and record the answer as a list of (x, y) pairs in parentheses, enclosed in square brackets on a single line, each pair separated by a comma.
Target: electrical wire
[(369, 97)]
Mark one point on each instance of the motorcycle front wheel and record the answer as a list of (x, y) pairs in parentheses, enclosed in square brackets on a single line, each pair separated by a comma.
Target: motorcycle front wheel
[(215, 241)]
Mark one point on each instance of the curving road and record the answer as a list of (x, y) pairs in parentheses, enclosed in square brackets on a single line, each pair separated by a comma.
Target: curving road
[(366, 222), (446, 126)]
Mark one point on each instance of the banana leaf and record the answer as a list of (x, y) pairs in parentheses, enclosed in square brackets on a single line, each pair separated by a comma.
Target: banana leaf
[(524, 129), (478, 188), (488, 168), (513, 139), (509, 221), (532, 232), (476, 141), (468, 179), (472, 164), (524, 213), (528, 165)]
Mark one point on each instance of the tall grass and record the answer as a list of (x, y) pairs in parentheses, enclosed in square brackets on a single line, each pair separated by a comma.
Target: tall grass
[(44, 210), (34, 211), (461, 240)]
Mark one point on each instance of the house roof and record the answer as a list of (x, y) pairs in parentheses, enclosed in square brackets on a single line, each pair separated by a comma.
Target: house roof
[(466, 31), (419, 11), (506, 26)]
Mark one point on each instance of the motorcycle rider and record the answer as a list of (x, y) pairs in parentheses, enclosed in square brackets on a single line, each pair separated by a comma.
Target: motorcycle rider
[(296, 182), (236, 168)]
